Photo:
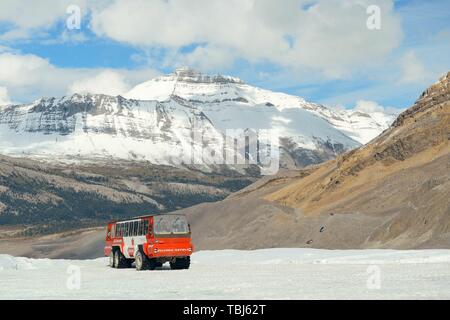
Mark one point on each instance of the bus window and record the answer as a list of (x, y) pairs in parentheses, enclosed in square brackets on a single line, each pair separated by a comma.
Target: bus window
[(171, 224), (143, 227), (146, 227), (135, 228), (140, 224)]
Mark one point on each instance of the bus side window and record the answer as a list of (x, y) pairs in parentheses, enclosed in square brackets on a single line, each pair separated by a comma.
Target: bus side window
[(144, 227), (146, 224), (150, 227), (139, 228)]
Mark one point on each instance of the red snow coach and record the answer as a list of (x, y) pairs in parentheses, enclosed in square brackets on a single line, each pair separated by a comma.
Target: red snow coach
[(149, 242)]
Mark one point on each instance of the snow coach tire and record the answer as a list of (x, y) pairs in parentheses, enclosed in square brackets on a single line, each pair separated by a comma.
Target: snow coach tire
[(141, 261), (181, 263), (152, 264), (111, 259), (119, 260), (186, 263)]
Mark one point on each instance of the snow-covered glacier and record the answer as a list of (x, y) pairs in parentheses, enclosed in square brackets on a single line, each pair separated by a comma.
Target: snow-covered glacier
[(232, 274)]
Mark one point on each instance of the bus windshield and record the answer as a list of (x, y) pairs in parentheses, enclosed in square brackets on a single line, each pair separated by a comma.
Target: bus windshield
[(171, 224)]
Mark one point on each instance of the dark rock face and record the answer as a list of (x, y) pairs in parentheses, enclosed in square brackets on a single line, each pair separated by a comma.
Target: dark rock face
[(300, 157), (61, 116), (192, 76), (50, 198)]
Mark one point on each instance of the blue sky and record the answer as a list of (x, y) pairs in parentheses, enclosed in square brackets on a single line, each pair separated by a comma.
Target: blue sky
[(321, 50)]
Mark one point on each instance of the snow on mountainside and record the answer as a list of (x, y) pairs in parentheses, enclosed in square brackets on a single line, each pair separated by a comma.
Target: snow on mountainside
[(99, 127), (158, 120), (213, 94)]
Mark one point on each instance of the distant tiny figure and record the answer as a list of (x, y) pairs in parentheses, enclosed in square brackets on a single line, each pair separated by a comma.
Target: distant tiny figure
[(309, 241), (322, 228)]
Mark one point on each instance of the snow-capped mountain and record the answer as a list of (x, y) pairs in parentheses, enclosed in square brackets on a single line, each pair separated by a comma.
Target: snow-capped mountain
[(158, 121), (224, 98), (98, 127)]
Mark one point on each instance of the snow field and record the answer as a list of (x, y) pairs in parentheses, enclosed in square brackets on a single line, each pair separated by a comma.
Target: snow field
[(232, 274)]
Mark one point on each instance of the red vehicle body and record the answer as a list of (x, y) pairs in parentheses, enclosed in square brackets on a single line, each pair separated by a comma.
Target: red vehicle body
[(149, 242)]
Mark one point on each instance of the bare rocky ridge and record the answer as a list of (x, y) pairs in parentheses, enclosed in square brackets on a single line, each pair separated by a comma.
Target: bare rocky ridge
[(392, 193)]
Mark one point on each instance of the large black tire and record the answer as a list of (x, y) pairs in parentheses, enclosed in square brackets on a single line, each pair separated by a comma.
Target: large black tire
[(120, 261), (111, 259), (152, 264), (181, 263)]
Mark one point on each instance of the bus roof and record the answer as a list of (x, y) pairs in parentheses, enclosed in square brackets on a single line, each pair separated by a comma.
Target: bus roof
[(148, 216)]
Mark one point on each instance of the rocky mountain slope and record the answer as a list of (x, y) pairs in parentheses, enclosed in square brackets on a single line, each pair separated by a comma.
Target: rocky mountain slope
[(391, 193), (158, 121), (39, 197)]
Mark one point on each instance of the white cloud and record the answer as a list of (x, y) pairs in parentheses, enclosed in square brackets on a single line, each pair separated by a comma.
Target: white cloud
[(106, 82), (28, 17), (205, 58), (4, 97), (28, 77), (412, 69), (368, 106), (330, 36), (21, 70)]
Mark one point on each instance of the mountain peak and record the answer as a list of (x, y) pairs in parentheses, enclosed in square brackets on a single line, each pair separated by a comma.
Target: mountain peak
[(433, 96), (186, 71), (188, 74)]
